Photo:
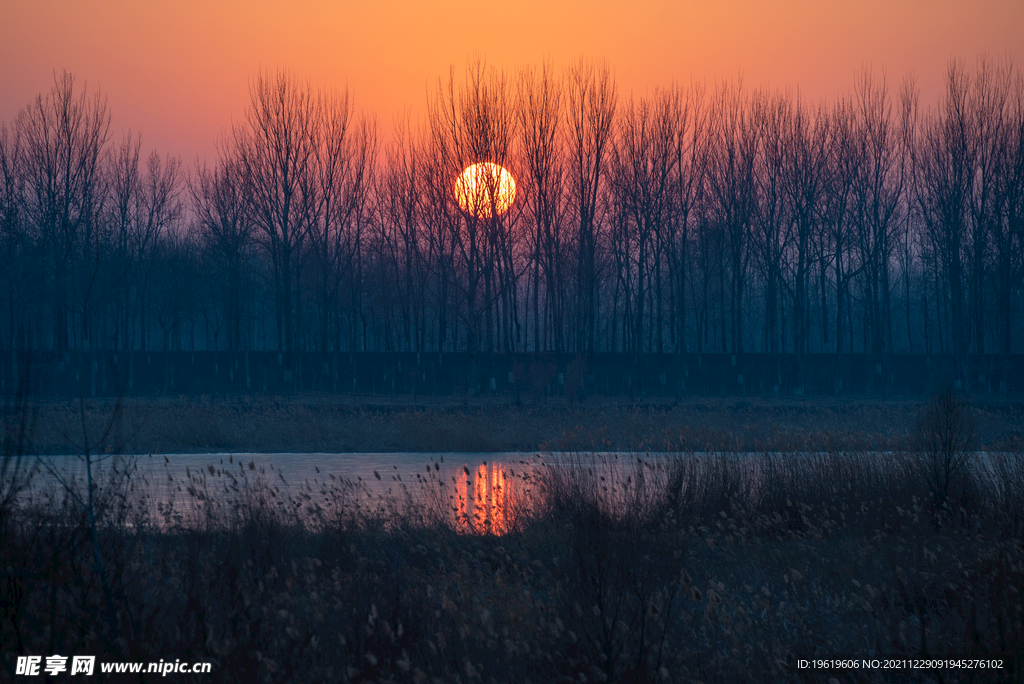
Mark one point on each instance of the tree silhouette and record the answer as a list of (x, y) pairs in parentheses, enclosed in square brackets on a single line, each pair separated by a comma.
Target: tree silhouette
[(709, 219)]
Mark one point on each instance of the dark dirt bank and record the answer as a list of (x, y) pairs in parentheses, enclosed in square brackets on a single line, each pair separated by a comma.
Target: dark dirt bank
[(316, 423)]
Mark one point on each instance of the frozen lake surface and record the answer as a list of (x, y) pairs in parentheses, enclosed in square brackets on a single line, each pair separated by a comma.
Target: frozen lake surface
[(288, 469), (469, 478), (494, 483), (293, 469), (472, 482)]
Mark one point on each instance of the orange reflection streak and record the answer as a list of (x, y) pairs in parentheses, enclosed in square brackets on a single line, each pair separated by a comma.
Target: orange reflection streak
[(459, 505), (481, 514), (498, 504), (489, 510)]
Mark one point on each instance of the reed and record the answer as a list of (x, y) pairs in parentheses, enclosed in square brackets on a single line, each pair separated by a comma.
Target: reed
[(712, 566)]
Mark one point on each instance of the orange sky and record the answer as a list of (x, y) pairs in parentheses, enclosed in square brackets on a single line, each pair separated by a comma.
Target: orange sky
[(179, 71)]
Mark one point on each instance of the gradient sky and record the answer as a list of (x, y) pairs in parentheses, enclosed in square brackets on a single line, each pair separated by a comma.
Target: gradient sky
[(179, 71)]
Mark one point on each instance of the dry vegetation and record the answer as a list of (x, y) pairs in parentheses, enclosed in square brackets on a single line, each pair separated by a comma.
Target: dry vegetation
[(721, 567)]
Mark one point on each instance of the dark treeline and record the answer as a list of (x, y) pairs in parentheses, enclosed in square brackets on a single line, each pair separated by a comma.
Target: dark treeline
[(695, 219)]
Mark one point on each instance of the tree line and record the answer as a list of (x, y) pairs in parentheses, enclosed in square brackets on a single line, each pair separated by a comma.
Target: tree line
[(692, 219)]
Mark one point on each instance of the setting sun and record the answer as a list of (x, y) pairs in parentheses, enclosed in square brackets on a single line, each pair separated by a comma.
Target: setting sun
[(483, 186)]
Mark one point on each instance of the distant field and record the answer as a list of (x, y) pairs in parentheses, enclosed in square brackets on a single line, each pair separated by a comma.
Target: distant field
[(317, 423)]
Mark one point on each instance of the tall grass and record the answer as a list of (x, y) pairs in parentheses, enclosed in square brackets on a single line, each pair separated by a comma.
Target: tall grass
[(717, 566)]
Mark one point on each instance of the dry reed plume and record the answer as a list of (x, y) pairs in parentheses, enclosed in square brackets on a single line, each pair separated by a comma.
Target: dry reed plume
[(688, 567)]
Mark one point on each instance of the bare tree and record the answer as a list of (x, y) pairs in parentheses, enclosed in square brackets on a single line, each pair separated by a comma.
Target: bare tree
[(944, 180), (476, 123), (734, 220), (591, 103), (739, 125), (275, 145), (345, 153), (225, 237), (691, 151), (878, 194), (125, 210), (771, 231), (440, 216), (806, 153), (143, 206), (642, 172), (837, 237), (1008, 223), (65, 133), (987, 122), (540, 106), (988, 117), (400, 206), (19, 256)]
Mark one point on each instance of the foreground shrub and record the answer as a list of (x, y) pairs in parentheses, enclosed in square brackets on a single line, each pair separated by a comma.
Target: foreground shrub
[(946, 433)]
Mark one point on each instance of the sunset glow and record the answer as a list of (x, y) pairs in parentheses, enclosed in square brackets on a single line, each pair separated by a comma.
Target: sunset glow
[(179, 72)]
